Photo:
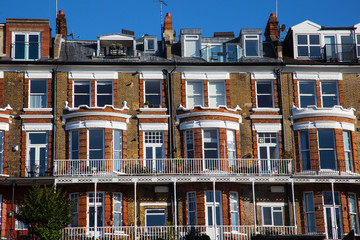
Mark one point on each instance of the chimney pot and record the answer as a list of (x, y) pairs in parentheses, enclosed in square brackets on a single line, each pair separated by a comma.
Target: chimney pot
[(61, 25), (61, 12), (272, 15)]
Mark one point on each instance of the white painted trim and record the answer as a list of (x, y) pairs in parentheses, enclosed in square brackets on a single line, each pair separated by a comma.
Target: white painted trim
[(271, 204), (1, 74), (37, 109), (153, 126), (158, 75), (237, 108), (125, 107), (209, 124), (38, 74), (33, 116), (152, 116), (265, 109), (96, 124), (37, 126), (4, 126), (265, 116), (93, 75), (318, 75), (266, 127), (157, 204), (195, 114), (5, 116), (85, 114), (208, 75), (313, 111), (324, 124), (263, 75), (153, 109)]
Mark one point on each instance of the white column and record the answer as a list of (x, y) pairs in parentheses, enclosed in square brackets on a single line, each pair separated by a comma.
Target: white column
[(135, 212), (293, 203), (95, 208), (254, 203), (214, 208), (334, 211), (175, 204)]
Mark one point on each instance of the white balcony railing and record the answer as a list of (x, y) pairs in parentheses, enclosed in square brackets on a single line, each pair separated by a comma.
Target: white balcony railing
[(170, 166), (172, 232)]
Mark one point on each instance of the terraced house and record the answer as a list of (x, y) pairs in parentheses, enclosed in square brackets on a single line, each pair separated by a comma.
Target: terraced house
[(230, 136)]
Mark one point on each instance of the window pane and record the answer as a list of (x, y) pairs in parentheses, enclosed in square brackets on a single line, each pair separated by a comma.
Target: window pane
[(150, 44), (278, 218), (38, 86), (326, 138), (302, 39), (19, 46), (328, 88), (267, 216), (303, 51), (81, 93), (33, 46), (307, 87), (314, 39), (252, 48), (37, 138), (153, 93)]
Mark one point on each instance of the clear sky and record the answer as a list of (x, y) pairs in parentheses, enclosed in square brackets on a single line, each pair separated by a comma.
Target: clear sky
[(89, 18)]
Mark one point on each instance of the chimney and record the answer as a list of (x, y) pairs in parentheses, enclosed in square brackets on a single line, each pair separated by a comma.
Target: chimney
[(61, 26), (168, 29), (272, 31)]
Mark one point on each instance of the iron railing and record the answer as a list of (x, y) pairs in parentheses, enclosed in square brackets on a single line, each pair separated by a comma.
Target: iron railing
[(340, 52)]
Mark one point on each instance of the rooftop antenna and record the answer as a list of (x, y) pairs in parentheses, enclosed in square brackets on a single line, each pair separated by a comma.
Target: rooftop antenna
[(162, 2), (56, 7), (276, 8)]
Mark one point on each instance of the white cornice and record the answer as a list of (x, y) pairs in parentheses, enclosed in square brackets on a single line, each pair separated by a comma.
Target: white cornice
[(195, 114), (265, 109), (324, 124), (152, 75), (92, 75), (37, 109), (313, 111), (125, 107), (153, 126), (96, 124), (85, 114), (265, 116), (38, 74), (266, 127), (153, 109), (152, 116), (209, 124), (317, 75), (237, 108), (37, 126), (35, 116), (5, 116), (4, 126), (263, 75), (205, 75)]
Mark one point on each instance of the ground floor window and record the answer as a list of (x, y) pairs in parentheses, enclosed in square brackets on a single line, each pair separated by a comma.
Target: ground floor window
[(155, 217), (272, 215)]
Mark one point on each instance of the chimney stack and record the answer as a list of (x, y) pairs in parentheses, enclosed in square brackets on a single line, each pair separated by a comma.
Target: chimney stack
[(168, 29), (61, 26), (272, 30)]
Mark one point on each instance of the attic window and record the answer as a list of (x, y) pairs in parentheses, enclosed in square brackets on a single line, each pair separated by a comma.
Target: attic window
[(26, 46), (150, 44), (308, 46), (192, 46), (252, 46)]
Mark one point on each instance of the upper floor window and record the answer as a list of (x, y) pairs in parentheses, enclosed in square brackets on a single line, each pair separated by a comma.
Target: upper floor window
[(231, 53), (194, 93), (153, 93), (38, 93), (74, 144), (272, 216), (150, 43), (117, 150), (264, 94), (329, 94), (75, 209), (192, 46), (211, 149), (231, 146), (117, 209), (305, 151), (191, 208), (96, 144), (234, 208), (37, 153), (26, 46), (308, 46), (348, 151), (307, 93), (189, 144), (327, 156), (252, 46), (217, 93), (309, 212), (104, 93), (353, 211), (82, 93)]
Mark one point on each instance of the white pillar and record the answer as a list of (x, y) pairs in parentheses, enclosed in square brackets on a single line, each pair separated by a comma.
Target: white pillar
[(175, 205), (95, 208), (293, 203), (214, 208), (254, 203), (334, 211), (135, 212)]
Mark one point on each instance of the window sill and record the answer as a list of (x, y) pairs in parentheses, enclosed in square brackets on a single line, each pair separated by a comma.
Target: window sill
[(37, 109), (266, 109), (153, 109)]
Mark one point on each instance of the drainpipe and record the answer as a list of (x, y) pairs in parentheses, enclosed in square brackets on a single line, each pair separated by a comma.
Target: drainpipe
[(293, 203), (175, 205), (278, 73), (54, 77)]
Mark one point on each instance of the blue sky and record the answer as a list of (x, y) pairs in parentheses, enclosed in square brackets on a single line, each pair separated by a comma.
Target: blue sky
[(89, 18)]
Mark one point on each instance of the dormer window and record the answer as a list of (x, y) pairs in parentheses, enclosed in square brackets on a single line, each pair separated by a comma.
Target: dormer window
[(358, 45), (150, 44), (116, 45), (308, 46), (26, 45), (192, 46), (252, 46)]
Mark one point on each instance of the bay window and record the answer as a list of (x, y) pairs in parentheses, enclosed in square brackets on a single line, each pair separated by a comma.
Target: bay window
[(348, 151), (38, 93), (96, 149), (2, 152), (189, 144), (326, 141), (211, 149), (231, 147), (117, 151), (305, 151)]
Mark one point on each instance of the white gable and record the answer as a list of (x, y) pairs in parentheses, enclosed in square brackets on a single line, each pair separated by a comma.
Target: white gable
[(357, 26), (306, 26), (115, 37)]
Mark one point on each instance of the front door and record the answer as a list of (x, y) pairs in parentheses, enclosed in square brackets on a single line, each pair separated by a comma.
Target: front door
[(213, 213), (268, 152), (95, 218), (154, 151), (37, 154), (332, 216)]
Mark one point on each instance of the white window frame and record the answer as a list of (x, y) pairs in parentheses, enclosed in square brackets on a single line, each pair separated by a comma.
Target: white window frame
[(117, 161), (215, 95), (250, 37), (263, 94), (329, 95), (268, 164), (45, 94), (2, 145), (348, 151), (18, 224), (26, 43), (119, 200), (211, 205), (231, 148), (146, 43), (211, 163), (331, 206), (154, 94), (272, 206), (307, 95), (192, 38), (308, 45), (234, 200), (191, 199), (327, 149), (189, 140), (354, 213), (74, 214), (188, 95), (97, 94), (81, 82), (95, 149), (304, 150), (154, 142), (96, 205), (72, 150), (37, 147), (309, 213)]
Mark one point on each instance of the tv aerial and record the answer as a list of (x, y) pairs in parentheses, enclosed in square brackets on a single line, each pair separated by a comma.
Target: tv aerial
[(162, 2)]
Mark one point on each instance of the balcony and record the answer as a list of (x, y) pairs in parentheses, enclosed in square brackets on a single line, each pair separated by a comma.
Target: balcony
[(340, 52), (172, 166), (172, 232)]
